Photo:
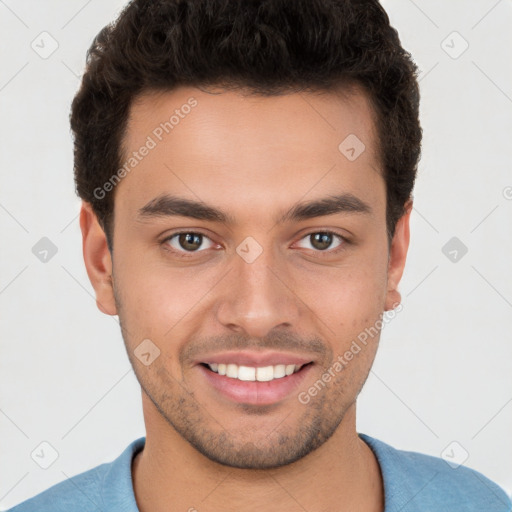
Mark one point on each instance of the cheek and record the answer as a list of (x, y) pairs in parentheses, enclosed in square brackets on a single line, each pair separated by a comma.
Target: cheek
[(348, 296), (156, 298)]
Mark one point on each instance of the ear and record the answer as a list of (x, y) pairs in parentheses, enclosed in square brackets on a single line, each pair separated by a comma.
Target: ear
[(98, 260), (397, 257)]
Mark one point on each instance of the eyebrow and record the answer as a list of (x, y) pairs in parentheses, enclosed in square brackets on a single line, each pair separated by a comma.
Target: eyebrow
[(167, 205)]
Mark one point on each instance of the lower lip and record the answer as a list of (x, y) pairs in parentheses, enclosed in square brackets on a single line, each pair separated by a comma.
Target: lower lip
[(255, 392)]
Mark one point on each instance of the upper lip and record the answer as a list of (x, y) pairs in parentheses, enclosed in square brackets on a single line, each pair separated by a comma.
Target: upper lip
[(255, 359)]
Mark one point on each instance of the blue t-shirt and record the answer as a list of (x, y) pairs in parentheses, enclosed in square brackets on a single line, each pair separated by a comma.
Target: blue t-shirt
[(413, 482)]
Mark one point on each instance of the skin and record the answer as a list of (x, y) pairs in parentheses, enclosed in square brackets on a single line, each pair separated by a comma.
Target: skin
[(253, 158)]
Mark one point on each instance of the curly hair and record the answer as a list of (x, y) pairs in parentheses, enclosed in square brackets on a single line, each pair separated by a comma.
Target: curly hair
[(268, 47)]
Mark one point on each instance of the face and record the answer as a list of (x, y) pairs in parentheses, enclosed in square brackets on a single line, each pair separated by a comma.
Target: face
[(283, 261)]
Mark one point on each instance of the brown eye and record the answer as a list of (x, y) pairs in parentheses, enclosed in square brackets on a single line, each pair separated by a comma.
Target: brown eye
[(188, 242), (323, 240)]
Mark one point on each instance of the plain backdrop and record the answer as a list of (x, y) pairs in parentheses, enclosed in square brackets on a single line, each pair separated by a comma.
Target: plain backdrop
[(441, 382)]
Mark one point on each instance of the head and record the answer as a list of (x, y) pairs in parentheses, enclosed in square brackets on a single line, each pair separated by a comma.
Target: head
[(247, 174)]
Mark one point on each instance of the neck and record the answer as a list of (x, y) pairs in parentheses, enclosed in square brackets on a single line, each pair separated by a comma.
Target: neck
[(343, 472)]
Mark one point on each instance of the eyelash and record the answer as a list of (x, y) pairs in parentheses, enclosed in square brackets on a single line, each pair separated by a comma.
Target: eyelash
[(184, 254)]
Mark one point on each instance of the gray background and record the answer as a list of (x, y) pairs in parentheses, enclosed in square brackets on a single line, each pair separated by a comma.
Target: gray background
[(441, 383)]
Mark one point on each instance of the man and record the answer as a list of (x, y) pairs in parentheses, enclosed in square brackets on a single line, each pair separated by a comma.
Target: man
[(246, 170)]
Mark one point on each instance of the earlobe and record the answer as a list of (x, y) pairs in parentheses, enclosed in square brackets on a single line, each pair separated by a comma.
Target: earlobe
[(98, 260), (397, 258)]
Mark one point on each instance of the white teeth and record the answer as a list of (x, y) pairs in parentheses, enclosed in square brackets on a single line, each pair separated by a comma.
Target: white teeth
[(232, 371), (290, 368), (265, 373), (280, 370), (246, 373), (249, 373)]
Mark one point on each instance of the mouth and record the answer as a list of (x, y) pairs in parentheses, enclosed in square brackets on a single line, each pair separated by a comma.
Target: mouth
[(258, 385)]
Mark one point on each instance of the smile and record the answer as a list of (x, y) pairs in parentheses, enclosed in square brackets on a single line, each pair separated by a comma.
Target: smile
[(262, 385), (251, 373)]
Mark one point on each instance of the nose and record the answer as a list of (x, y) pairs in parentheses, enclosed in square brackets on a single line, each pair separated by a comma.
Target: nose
[(258, 297)]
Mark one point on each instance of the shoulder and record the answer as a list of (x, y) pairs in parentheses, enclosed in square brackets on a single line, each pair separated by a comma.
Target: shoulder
[(103, 488), (80, 492), (415, 482)]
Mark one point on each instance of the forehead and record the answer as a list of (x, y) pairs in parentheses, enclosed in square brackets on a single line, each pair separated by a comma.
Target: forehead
[(250, 150)]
